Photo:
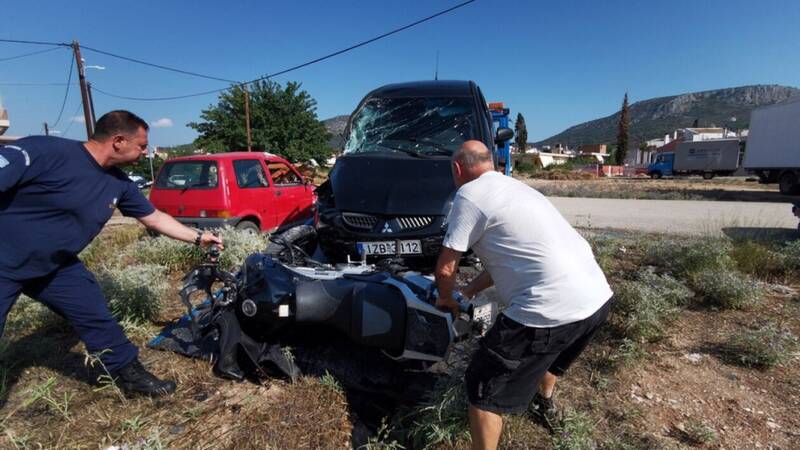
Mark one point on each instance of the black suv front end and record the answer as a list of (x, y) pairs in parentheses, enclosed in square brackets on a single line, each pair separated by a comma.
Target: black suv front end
[(390, 193)]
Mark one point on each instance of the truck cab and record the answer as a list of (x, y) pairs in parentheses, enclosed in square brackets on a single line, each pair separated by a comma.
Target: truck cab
[(662, 167)]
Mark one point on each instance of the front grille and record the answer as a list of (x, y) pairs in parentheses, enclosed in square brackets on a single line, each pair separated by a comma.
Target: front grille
[(414, 222), (360, 221)]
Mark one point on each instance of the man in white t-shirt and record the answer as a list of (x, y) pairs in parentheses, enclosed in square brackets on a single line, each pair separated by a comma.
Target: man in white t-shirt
[(556, 294)]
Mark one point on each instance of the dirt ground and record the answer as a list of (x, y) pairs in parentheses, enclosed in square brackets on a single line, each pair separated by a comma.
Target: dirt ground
[(693, 188), (658, 401)]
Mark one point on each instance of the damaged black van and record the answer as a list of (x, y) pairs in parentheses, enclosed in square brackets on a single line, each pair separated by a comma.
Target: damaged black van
[(390, 192)]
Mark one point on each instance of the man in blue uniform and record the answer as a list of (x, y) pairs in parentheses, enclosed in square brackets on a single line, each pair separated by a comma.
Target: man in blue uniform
[(55, 197)]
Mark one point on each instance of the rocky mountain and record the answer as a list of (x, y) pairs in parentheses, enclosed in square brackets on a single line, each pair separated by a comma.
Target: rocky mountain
[(335, 126), (652, 119)]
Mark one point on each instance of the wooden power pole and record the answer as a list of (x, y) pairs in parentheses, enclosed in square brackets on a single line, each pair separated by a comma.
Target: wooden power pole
[(247, 118), (46, 129), (87, 111)]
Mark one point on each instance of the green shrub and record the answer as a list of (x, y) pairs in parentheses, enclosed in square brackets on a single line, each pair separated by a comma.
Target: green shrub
[(28, 314), (575, 432), (442, 419), (134, 293), (107, 248), (167, 252), (758, 260), (791, 255), (763, 347), (725, 288), (182, 256), (239, 245), (606, 249), (698, 432), (685, 257), (644, 306)]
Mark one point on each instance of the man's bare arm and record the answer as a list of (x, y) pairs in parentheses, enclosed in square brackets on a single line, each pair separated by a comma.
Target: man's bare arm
[(446, 270), (164, 223), (479, 283)]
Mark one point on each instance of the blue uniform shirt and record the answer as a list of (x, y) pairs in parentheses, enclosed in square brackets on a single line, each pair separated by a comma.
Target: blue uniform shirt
[(54, 199)]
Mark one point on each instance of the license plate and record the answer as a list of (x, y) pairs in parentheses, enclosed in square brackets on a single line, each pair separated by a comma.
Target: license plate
[(410, 247)]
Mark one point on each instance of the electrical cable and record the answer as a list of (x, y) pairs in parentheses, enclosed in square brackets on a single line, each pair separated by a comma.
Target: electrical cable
[(66, 93), (293, 68), (159, 66), (64, 134), (35, 84), (30, 54), (17, 41)]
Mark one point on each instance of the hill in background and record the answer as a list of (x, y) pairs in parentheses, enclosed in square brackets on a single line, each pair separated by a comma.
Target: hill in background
[(652, 119), (335, 126)]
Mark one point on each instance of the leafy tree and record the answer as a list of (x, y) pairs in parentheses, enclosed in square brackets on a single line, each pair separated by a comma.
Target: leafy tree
[(622, 132), (283, 121), (521, 133)]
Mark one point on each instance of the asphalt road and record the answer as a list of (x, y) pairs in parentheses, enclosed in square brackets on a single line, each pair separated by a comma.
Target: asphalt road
[(690, 217)]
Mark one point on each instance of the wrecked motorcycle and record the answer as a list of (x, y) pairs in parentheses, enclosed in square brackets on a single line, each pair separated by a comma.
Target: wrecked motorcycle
[(383, 306)]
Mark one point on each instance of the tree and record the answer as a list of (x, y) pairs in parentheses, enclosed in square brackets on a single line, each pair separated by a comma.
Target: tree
[(283, 121), (622, 133), (521, 133)]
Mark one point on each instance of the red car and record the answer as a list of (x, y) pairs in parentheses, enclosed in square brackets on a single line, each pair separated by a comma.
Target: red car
[(247, 190)]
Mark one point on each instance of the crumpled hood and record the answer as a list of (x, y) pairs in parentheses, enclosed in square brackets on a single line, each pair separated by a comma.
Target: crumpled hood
[(392, 185)]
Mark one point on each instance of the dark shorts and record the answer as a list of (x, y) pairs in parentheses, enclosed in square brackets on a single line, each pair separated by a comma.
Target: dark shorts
[(508, 366)]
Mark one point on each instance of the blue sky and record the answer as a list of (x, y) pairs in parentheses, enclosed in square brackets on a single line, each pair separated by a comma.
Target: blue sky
[(558, 63)]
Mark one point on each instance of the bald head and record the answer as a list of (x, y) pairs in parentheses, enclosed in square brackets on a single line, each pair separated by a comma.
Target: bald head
[(470, 161), (472, 154)]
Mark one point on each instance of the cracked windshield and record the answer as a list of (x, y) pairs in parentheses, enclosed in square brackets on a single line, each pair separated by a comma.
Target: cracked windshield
[(419, 126)]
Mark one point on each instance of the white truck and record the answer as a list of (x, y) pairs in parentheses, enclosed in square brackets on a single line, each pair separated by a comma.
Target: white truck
[(706, 158), (773, 145)]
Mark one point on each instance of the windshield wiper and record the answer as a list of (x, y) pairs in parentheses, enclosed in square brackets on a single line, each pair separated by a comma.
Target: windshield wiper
[(405, 150)]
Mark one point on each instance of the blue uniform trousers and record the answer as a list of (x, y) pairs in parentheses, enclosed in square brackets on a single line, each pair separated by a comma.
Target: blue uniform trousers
[(72, 292)]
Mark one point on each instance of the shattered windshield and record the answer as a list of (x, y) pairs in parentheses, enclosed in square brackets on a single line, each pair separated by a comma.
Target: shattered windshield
[(417, 126)]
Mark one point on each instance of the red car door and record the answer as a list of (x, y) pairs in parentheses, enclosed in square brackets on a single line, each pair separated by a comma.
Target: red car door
[(251, 193), (293, 197)]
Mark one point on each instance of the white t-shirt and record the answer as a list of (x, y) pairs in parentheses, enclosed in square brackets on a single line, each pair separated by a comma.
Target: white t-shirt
[(541, 266)]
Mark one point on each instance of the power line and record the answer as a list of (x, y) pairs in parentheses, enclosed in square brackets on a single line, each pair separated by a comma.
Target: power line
[(72, 120), (299, 66), (66, 92), (17, 41), (159, 66), (35, 84), (30, 54)]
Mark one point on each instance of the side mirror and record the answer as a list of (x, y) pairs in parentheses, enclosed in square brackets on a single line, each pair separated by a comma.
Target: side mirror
[(503, 134)]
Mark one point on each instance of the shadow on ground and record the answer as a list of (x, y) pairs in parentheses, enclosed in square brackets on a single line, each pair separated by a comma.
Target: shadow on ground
[(773, 235)]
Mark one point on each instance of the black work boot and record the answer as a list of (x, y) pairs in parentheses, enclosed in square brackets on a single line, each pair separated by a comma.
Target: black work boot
[(135, 379), (544, 410)]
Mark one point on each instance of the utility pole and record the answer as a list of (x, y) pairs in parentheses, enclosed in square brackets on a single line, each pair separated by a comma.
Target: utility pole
[(46, 129), (87, 113), (247, 117), (91, 103)]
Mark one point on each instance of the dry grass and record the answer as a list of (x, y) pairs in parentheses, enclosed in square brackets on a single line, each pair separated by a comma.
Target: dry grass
[(46, 401)]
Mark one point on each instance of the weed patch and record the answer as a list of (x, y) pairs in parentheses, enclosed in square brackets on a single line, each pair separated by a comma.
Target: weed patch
[(683, 258), (643, 307), (134, 293), (764, 347), (575, 432), (725, 289), (697, 432), (758, 260), (442, 419), (28, 315)]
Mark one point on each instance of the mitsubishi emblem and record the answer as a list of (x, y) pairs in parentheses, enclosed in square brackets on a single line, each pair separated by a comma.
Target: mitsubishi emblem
[(387, 228)]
